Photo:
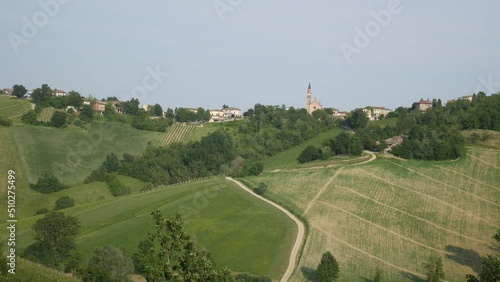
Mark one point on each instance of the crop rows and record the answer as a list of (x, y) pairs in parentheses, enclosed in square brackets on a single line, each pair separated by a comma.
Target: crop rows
[(13, 108), (46, 114), (176, 133)]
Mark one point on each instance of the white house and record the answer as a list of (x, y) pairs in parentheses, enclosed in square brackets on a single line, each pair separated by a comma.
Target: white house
[(216, 115), (59, 93), (232, 112)]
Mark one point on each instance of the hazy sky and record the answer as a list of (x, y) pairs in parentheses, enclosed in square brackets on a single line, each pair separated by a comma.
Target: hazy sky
[(246, 52)]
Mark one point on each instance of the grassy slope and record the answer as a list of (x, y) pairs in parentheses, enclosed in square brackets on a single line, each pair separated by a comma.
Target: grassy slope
[(288, 158), (247, 235), (30, 271), (72, 153), (393, 214), (385, 122), (12, 107)]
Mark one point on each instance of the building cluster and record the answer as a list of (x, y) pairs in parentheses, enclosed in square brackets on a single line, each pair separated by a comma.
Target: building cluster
[(224, 114)]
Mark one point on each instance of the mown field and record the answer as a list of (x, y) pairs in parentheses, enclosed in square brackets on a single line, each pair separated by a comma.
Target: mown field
[(394, 214), (247, 235)]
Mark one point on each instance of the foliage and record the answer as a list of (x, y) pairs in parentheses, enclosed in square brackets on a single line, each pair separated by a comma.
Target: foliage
[(130, 107), (378, 275), (5, 121), (345, 144), (310, 153), (64, 202), (172, 255), (42, 211), (108, 263), (261, 189), (143, 121), (29, 117), (19, 90), (357, 119), (47, 183), (58, 119), (490, 267), (245, 277), (434, 268), (74, 99), (86, 113), (41, 95), (157, 110), (116, 188), (328, 268), (54, 235)]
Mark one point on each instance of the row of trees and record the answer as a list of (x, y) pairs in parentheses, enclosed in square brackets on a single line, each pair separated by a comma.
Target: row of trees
[(344, 144)]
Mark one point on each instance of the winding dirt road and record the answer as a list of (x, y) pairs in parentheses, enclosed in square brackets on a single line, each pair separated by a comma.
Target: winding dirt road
[(300, 230)]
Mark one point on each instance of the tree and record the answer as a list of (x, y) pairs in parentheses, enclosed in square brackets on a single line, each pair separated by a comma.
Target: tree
[(47, 183), (86, 113), (357, 119), (434, 268), (19, 91), (64, 202), (29, 117), (173, 255), (55, 238), (261, 189), (108, 263), (109, 111), (130, 107), (41, 95), (310, 153), (58, 119), (490, 267), (328, 268), (157, 110), (74, 99)]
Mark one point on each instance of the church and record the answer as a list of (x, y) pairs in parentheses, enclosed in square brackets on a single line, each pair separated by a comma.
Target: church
[(313, 105)]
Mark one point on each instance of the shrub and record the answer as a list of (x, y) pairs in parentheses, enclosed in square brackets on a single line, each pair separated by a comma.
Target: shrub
[(261, 189), (47, 183), (42, 211), (5, 121), (78, 122), (117, 188), (58, 119), (310, 153), (64, 202)]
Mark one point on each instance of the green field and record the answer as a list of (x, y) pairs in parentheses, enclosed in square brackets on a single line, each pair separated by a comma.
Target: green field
[(288, 158), (385, 122), (229, 232), (12, 107), (29, 271), (72, 153), (393, 214)]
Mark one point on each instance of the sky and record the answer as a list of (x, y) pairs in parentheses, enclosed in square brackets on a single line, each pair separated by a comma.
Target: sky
[(241, 52)]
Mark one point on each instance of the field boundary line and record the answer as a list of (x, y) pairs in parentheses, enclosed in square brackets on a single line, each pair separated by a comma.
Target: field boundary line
[(468, 177), (482, 161), (447, 185), (430, 197), (386, 229), (322, 190), (16, 104), (368, 254), (293, 260), (414, 216)]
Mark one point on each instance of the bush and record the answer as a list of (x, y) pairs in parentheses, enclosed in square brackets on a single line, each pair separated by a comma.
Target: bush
[(261, 189), (47, 183), (310, 153), (78, 122), (64, 202), (117, 188), (5, 121), (58, 119), (29, 117), (245, 277), (42, 211)]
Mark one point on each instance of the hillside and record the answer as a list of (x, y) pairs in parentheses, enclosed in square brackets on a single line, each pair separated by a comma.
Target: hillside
[(393, 214), (235, 235), (13, 108), (30, 271)]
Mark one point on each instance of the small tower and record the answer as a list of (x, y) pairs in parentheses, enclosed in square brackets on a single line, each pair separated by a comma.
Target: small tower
[(308, 97)]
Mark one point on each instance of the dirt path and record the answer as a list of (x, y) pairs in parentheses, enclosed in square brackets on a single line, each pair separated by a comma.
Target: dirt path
[(292, 262)]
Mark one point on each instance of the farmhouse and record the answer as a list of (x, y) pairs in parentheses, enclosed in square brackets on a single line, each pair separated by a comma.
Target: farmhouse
[(374, 113), (423, 105), (59, 93), (231, 112), (99, 107), (7, 91)]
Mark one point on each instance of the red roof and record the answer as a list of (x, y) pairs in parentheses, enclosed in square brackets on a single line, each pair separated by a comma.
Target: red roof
[(422, 101)]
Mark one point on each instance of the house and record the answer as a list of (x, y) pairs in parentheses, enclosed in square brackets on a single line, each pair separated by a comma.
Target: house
[(59, 93), (7, 91), (117, 106), (468, 97), (147, 107), (99, 107), (231, 112), (374, 113), (424, 105), (216, 115)]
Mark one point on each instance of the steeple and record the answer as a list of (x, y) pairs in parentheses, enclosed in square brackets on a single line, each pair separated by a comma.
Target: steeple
[(309, 90), (309, 85)]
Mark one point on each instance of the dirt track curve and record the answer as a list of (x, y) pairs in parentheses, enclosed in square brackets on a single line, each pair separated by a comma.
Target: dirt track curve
[(300, 232)]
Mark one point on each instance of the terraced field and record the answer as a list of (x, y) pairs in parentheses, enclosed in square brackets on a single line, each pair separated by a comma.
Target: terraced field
[(13, 107), (394, 214), (46, 114), (176, 133)]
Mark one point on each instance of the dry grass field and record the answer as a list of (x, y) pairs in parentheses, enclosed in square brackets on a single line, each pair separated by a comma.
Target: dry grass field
[(394, 214)]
